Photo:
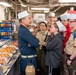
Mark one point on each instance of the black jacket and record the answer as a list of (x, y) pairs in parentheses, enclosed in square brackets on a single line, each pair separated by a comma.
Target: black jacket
[(54, 51)]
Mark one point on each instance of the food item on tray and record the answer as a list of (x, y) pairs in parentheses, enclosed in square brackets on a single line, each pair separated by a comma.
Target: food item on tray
[(4, 68), (5, 55), (8, 49), (15, 43), (3, 60)]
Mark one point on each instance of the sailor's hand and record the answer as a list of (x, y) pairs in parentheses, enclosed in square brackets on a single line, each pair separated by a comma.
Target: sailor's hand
[(69, 62)]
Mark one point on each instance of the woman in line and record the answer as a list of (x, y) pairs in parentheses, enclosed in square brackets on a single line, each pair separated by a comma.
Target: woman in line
[(54, 48)]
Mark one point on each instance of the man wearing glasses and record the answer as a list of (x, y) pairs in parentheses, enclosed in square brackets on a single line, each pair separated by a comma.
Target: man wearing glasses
[(71, 46)]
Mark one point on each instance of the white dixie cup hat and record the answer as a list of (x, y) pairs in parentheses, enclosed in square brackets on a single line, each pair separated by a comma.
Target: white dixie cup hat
[(72, 16), (22, 14), (64, 17), (61, 26), (51, 14)]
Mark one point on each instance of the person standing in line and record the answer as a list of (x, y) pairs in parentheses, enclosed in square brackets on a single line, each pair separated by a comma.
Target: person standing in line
[(65, 22), (71, 45), (54, 48), (27, 42), (51, 19), (38, 25), (40, 51)]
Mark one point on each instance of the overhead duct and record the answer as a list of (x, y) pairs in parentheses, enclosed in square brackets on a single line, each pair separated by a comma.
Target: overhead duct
[(32, 10), (35, 1)]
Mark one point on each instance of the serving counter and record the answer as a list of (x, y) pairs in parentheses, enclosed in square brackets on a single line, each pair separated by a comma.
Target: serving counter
[(12, 66)]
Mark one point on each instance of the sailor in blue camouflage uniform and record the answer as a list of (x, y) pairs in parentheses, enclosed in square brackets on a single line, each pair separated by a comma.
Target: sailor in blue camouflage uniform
[(27, 42)]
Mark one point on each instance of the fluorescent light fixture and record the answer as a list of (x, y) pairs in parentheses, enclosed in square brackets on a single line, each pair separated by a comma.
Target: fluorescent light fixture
[(46, 11), (5, 4), (67, 1), (23, 5), (40, 8)]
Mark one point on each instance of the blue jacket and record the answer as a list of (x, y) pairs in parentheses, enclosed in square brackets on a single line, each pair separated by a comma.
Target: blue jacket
[(25, 38)]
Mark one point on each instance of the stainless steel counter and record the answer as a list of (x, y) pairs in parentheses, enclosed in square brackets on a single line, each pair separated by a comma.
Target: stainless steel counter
[(13, 64)]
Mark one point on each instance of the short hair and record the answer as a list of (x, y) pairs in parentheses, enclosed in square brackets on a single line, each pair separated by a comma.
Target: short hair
[(56, 26), (44, 23), (20, 20), (58, 18)]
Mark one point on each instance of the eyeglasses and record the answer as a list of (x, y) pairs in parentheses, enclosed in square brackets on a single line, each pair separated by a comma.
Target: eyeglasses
[(72, 21)]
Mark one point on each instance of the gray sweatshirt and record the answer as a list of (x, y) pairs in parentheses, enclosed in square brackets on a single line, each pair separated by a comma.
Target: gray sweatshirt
[(54, 51)]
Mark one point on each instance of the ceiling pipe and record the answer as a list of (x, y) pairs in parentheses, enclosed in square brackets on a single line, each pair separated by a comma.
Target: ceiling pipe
[(33, 11), (15, 3), (67, 4), (36, 1), (62, 4), (57, 9), (21, 2)]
